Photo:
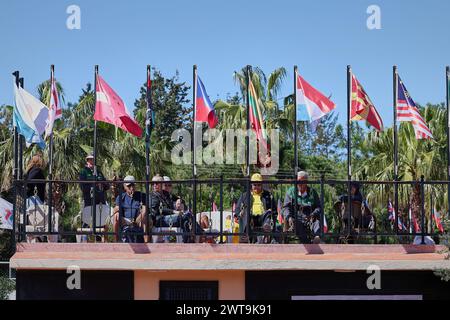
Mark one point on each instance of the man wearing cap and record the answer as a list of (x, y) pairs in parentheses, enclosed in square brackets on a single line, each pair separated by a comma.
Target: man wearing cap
[(131, 206), (87, 174), (262, 205), (302, 205), (163, 210)]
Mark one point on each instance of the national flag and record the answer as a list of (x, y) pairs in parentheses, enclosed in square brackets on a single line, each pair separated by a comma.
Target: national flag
[(214, 206), (279, 212), (362, 107), (204, 109), (256, 116), (233, 207), (393, 217), (54, 110), (6, 216), (407, 111), (437, 220), (29, 117), (110, 108), (414, 222), (311, 104)]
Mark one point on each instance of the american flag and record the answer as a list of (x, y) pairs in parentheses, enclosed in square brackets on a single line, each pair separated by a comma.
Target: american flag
[(407, 111)]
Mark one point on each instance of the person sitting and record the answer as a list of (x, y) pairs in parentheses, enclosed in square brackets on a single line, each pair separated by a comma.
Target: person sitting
[(360, 219), (130, 207), (167, 190), (163, 211), (301, 209), (262, 205), (36, 190)]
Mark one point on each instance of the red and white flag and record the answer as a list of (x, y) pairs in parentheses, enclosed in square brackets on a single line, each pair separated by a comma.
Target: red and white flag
[(54, 109), (437, 220), (110, 108)]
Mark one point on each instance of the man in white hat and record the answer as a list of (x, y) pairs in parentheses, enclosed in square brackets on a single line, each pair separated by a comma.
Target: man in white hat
[(87, 174), (131, 206)]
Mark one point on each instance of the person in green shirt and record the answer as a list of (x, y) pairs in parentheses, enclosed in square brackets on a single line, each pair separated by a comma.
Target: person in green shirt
[(301, 209)]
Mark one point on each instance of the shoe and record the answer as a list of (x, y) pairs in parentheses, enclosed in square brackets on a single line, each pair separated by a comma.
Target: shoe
[(266, 227), (316, 240)]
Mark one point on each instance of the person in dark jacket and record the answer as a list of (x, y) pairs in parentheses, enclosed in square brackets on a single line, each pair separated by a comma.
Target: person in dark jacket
[(356, 196), (262, 207), (87, 174), (34, 171), (163, 209)]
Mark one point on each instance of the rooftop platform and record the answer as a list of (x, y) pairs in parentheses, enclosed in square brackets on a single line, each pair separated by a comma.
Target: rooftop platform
[(160, 257)]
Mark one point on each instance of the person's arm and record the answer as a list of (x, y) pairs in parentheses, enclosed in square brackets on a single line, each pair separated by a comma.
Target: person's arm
[(83, 177), (239, 204)]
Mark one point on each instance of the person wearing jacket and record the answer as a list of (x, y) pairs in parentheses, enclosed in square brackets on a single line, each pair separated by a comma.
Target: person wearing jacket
[(262, 207), (302, 205), (36, 190), (87, 174)]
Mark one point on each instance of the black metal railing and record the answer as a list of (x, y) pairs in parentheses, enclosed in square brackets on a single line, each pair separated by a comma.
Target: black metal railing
[(210, 206)]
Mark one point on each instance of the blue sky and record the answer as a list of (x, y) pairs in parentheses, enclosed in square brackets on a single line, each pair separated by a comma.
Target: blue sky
[(322, 37)]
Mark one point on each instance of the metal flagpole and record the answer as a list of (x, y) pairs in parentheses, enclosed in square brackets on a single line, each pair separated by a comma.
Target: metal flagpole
[(295, 124), (21, 139), (148, 132), (247, 153), (395, 94), (193, 147), (447, 73), (349, 145), (15, 168), (93, 188), (50, 155)]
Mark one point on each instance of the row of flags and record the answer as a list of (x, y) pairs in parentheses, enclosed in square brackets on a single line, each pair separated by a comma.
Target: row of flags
[(414, 225), (32, 118)]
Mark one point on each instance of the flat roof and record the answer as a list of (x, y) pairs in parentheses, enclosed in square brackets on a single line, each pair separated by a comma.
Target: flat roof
[(170, 256)]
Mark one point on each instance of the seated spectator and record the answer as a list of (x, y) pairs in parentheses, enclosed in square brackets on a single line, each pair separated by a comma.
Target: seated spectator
[(361, 218), (130, 207), (301, 210), (262, 205), (163, 211), (36, 190)]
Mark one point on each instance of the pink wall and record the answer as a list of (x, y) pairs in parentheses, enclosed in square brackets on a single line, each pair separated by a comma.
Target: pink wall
[(231, 283)]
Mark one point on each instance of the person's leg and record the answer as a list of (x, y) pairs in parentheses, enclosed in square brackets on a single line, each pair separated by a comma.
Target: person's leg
[(115, 220), (142, 221), (301, 231)]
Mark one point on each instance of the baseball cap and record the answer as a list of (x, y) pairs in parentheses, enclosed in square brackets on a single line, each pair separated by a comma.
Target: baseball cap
[(128, 180), (257, 178), (90, 156)]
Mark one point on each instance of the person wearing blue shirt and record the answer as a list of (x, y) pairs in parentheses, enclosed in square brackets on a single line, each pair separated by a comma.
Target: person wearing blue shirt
[(131, 205)]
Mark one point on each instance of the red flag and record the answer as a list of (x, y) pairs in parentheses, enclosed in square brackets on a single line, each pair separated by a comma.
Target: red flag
[(362, 107), (110, 108), (437, 219)]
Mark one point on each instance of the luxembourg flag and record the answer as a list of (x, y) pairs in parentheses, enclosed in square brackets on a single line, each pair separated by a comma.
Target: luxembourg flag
[(311, 104), (30, 116), (204, 109)]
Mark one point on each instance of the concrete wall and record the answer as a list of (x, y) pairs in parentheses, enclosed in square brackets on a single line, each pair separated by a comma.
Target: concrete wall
[(231, 283)]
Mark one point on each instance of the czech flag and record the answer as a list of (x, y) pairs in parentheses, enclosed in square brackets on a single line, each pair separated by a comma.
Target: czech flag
[(204, 109)]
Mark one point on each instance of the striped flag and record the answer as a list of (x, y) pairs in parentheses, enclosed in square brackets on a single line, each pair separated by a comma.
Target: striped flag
[(256, 116), (407, 111), (204, 111), (393, 217), (311, 104), (362, 107), (54, 109), (280, 215), (437, 220)]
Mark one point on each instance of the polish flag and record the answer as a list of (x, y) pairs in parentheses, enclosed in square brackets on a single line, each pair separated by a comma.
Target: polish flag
[(111, 109)]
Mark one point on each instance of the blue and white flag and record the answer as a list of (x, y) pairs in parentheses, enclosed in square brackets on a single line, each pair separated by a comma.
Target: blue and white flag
[(30, 116)]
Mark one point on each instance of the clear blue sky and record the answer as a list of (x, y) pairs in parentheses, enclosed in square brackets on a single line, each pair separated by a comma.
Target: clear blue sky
[(320, 36)]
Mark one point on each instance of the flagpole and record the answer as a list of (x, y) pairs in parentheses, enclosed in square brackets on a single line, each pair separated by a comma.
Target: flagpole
[(247, 154), (50, 154), (349, 145), (93, 191), (395, 94), (148, 132), (194, 167), (447, 73), (16, 74), (21, 138), (295, 124)]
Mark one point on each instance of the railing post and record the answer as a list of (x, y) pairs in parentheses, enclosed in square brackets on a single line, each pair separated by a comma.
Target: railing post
[(322, 206), (247, 213), (221, 208), (422, 207)]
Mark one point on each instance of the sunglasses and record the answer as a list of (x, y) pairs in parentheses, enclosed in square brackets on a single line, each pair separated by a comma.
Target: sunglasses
[(130, 185)]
